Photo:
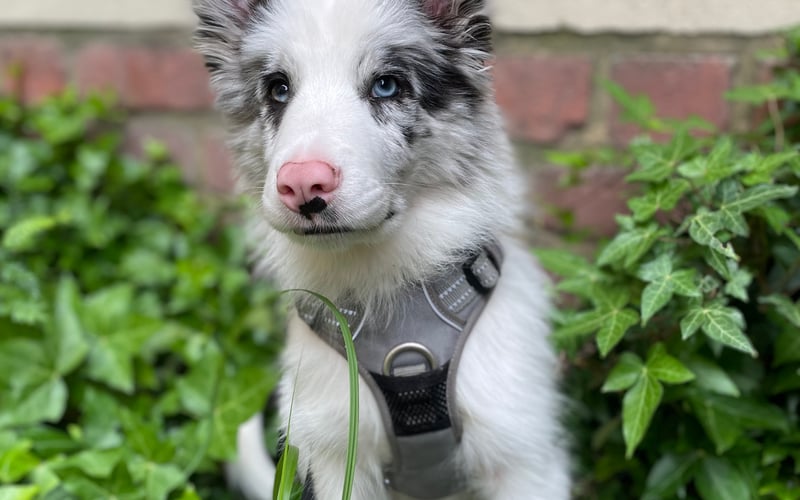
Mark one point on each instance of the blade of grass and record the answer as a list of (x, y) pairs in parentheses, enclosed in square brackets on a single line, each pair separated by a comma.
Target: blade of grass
[(352, 364), (286, 470)]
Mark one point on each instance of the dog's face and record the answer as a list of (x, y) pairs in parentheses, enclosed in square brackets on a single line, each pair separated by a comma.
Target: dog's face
[(349, 114)]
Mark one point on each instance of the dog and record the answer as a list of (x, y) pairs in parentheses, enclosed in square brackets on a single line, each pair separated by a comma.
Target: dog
[(366, 133)]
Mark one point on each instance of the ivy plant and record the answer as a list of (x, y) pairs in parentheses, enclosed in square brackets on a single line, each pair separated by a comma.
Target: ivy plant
[(133, 341), (684, 330)]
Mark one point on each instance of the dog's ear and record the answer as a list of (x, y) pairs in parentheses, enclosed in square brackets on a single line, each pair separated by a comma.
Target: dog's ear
[(220, 28), (466, 20)]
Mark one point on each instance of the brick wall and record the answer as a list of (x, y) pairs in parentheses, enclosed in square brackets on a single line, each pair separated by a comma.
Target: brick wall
[(547, 85)]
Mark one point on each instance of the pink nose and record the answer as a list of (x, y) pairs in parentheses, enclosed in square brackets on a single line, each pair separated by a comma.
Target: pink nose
[(307, 187)]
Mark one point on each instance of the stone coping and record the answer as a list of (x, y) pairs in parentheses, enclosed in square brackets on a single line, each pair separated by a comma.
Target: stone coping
[(745, 17)]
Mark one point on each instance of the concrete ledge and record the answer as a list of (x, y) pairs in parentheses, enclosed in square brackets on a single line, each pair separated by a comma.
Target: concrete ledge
[(745, 17)]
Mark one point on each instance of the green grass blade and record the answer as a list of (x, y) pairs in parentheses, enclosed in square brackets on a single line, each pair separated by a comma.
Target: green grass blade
[(352, 364), (286, 472)]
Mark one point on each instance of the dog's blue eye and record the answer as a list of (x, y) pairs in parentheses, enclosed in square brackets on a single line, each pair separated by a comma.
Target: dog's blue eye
[(385, 87), (279, 90)]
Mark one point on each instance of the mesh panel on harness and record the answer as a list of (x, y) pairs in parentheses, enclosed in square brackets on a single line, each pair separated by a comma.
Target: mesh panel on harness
[(417, 403)]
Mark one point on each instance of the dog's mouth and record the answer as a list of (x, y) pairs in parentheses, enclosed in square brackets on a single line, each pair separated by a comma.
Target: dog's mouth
[(328, 230)]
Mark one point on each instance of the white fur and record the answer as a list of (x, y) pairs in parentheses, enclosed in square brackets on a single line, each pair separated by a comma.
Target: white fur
[(507, 397)]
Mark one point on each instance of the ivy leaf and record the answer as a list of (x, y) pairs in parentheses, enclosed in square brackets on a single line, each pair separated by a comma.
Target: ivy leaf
[(666, 368), (663, 284), (17, 461), (717, 479), (580, 324), (624, 374), (629, 246), (240, 397), (668, 475), (711, 377), (24, 233), (705, 225), (638, 407), (784, 307), (737, 285), (562, 263), (616, 324), (663, 197), (721, 264), (18, 492), (719, 323), (65, 335), (787, 347), (763, 168), (720, 428), (760, 195)]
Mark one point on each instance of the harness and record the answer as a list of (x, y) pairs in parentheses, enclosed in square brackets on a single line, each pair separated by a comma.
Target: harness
[(409, 359)]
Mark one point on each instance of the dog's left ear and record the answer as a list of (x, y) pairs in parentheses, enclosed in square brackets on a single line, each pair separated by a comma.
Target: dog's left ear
[(466, 20)]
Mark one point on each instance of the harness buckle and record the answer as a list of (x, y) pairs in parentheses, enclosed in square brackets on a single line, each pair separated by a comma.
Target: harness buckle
[(413, 347)]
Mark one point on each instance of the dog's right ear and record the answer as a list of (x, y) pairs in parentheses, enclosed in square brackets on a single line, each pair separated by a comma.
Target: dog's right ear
[(220, 28)]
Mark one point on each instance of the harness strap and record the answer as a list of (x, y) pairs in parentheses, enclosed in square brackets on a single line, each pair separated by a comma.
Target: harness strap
[(409, 359)]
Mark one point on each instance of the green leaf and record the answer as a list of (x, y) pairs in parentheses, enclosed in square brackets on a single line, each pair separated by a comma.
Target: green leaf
[(581, 324), (711, 377), (787, 347), (663, 197), (563, 263), (724, 266), (16, 462), (629, 246), (692, 322), (717, 479), (65, 335), (760, 195), (96, 463), (720, 428), (638, 407), (18, 492), (705, 225), (624, 374), (668, 475), (737, 285), (723, 324), (23, 234), (763, 168), (784, 307), (685, 283), (654, 297), (45, 401), (615, 325), (666, 368), (240, 397)]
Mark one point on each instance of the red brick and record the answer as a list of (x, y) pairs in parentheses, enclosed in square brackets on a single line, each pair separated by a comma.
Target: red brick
[(542, 97), (594, 201), (679, 87), (146, 78), (32, 67), (218, 174)]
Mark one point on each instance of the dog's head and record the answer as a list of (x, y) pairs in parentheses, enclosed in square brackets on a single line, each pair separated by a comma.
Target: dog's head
[(353, 118)]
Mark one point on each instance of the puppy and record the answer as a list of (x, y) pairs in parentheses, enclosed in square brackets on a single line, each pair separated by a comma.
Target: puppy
[(367, 134)]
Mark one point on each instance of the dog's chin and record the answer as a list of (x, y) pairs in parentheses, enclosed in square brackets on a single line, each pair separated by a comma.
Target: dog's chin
[(329, 235)]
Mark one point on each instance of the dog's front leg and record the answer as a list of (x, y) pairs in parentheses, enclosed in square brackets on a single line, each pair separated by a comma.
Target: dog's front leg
[(315, 386)]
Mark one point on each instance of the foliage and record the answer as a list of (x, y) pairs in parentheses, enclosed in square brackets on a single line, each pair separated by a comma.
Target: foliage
[(684, 334), (132, 340)]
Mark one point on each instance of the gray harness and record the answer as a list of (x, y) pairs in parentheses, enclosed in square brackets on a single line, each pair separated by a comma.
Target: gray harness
[(409, 358)]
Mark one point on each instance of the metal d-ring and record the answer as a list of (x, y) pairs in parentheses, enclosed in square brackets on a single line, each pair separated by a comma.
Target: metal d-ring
[(405, 347)]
